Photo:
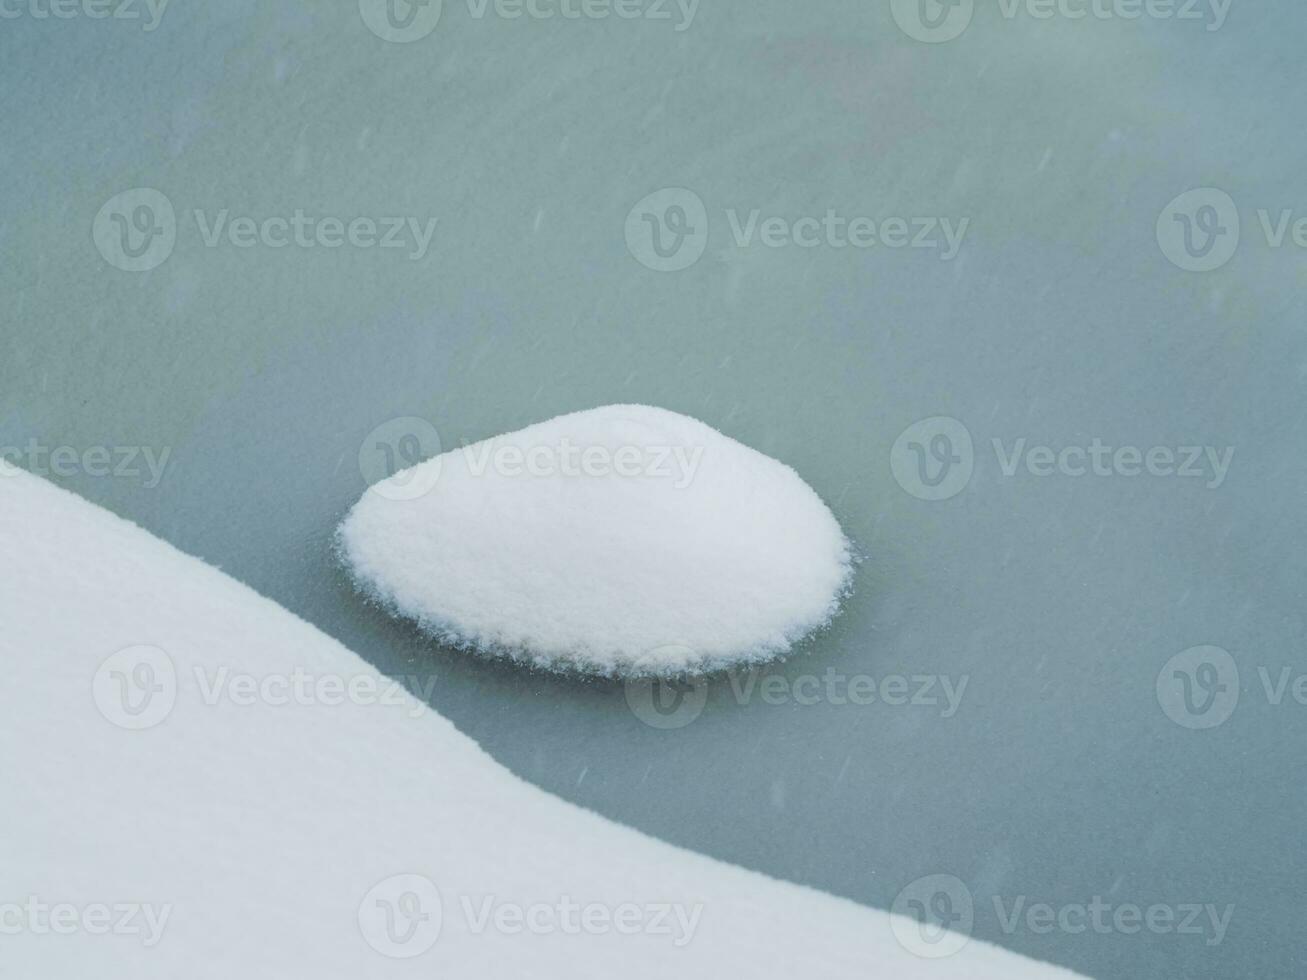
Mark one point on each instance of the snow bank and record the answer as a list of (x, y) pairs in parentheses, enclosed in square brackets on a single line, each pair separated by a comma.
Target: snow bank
[(620, 540), (201, 785)]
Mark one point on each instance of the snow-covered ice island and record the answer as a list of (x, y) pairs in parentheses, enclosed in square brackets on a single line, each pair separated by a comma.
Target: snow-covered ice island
[(622, 540), (202, 785)]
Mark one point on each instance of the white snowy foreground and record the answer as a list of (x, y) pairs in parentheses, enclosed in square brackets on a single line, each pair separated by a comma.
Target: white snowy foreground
[(621, 540), (199, 784)]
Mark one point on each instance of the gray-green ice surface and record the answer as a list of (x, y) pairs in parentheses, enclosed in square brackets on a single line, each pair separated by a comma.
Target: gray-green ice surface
[(1070, 766)]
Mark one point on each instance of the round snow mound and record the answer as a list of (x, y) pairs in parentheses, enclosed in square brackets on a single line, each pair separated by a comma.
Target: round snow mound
[(622, 541)]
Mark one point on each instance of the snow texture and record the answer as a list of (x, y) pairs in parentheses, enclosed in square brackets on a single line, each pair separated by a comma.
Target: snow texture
[(283, 835), (623, 540)]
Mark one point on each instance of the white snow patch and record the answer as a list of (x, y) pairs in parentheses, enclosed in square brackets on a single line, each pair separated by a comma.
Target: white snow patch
[(183, 834), (623, 540)]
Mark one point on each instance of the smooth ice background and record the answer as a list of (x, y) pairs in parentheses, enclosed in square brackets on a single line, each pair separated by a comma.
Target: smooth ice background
[(263, 370)]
